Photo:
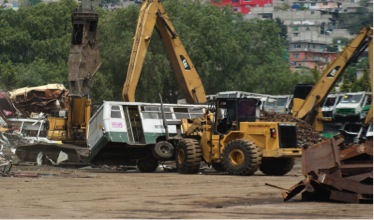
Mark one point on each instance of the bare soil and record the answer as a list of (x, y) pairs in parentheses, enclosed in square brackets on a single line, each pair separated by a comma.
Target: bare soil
[(40, 192)]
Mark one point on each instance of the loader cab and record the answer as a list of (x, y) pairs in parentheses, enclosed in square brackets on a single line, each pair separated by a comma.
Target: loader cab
[(231, 111)]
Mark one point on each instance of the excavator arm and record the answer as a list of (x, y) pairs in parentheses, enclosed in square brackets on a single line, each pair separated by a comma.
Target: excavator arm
[(84, 62), (369, 116), (308, 109), (152, 13)]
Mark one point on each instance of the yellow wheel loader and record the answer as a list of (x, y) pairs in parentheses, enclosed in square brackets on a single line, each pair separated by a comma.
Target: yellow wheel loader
[(230, 138)]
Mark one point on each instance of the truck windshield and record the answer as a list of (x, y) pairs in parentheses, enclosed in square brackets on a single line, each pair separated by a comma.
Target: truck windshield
[(351, 98), (282, 102), (271, 102), (330, 101)]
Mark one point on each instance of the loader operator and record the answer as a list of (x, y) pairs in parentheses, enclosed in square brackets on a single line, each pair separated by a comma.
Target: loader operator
[(228, 122)]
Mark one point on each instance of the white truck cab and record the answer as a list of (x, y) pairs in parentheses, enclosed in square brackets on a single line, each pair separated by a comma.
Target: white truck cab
[(352, 106), (278, 103), (329, 105)]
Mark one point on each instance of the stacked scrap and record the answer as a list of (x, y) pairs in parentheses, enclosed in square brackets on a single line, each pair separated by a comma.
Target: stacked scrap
[(305, 132), (336, 172)]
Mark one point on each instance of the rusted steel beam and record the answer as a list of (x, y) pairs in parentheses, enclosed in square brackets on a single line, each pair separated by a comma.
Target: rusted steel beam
[(334, 173), (324, 155), (345, 184), (344, 196), (361, 177), (356, 150)]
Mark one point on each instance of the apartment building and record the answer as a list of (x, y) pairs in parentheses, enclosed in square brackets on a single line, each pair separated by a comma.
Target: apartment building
[(242, 6)]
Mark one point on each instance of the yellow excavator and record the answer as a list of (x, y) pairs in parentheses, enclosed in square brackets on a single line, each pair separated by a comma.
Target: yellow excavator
[(307, 104), (153, 15), (69, 126)]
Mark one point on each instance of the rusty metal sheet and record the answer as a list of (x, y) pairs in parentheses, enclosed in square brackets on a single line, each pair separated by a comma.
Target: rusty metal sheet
[(356, 150), (357, 167), (344, 196), (368, 147), (324, 155), (293, 191), (345, 184), (336, 173), (360, 177), (315, 191)]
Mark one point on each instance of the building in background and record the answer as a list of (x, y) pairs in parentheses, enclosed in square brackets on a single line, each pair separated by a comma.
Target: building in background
[(311, 26), (243, 6)]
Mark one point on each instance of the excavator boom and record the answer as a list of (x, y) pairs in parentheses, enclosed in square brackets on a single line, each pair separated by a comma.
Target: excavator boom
[(308, 109), (369, 116), (151, 13)]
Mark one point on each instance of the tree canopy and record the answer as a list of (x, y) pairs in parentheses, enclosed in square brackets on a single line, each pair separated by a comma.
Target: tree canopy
[(229, 53)]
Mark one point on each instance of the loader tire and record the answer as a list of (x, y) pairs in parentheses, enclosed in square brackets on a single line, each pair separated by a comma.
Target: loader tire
[(188, 156), (277, 166), (241, 157), (147, 165)]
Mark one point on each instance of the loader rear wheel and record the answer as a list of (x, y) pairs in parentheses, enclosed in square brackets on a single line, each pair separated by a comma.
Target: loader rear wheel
[(277, 166), (188, 156), (147, 165), (241, 157)]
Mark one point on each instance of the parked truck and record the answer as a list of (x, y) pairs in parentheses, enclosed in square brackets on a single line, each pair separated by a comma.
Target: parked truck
[(353, 106)]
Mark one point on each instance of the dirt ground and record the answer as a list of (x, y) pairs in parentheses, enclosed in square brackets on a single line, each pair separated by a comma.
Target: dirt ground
[(61, 192)]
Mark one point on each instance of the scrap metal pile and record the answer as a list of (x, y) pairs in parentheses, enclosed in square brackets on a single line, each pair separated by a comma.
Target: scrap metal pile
[(306, 134), (24, 125), (337, 172)]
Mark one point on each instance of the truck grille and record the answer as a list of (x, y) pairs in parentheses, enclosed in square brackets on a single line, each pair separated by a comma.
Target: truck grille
[(287, 135), (345, 111), (327, 114)]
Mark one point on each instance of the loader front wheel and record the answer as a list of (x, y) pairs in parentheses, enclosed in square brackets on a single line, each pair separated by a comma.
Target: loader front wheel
[(188, 156), (241, 157), (277, 166)]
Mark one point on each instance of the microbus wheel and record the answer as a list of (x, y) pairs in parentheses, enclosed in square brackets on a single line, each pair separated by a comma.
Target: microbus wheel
[(188, 156), (241, 157), (147, 165), (163, 150)]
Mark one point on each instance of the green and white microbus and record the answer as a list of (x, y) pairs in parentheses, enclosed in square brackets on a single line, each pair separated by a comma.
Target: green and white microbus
[(135, 133)]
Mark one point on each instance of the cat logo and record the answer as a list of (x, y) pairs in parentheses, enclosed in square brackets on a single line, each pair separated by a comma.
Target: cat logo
[(332, 72), (185, 63)]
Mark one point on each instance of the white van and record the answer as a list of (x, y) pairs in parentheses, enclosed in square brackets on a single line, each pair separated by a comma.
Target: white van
[(351, 106), (125, 133), (329, 105), (278, 103)]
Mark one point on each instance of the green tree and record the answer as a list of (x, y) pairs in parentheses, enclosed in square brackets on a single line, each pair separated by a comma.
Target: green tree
[(7, 76), (229, 53), (355, 21), (34, 2), (35, 43), (350, 81)]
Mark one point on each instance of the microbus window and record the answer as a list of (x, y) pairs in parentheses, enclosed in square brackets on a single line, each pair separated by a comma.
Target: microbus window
[(115, 112)]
